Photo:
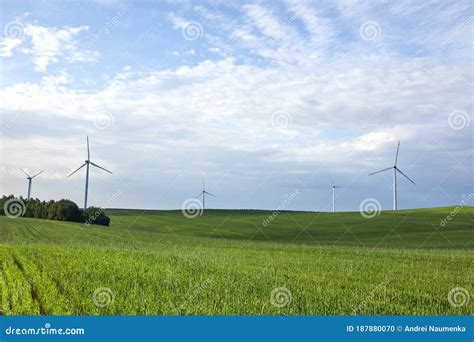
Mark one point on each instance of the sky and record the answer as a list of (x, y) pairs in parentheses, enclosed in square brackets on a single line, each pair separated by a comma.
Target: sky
[(266, 100)]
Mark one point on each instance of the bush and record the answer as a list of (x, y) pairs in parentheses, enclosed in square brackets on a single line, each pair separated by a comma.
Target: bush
[(93, 215), (67, 210)]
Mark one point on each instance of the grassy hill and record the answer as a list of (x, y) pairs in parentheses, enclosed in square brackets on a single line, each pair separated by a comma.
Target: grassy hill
[(401, 229), (230, 262)]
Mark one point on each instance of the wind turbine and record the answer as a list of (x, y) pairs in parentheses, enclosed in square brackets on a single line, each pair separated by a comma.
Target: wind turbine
[(395, 170), (30, 178), (333, 195), (86, 164), (203, 194)]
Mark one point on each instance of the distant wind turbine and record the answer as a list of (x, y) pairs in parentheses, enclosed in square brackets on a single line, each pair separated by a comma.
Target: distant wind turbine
[(203, 194), (30, 178), (86, 164), (395, 170), (333, 195)]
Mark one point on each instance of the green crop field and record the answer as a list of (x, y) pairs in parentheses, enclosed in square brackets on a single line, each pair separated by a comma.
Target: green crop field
[(228, 262)]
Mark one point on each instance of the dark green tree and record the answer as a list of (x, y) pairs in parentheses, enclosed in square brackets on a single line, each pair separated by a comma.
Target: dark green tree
[(63, 210), (66, 210)]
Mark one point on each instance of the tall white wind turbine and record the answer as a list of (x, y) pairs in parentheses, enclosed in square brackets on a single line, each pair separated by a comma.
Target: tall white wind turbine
[(333, 195), (86, 164), (203, 194), (30, 178), (395, 170)]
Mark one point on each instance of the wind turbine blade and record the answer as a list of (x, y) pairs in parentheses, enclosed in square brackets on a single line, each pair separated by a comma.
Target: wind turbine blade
[(37, 174), (210, 194), (388, 168), (396, 156), (203, 185), (80, 167), (100, 167), (405, 175), (27, 175), (332, 183), (200, 194), (88, 152)]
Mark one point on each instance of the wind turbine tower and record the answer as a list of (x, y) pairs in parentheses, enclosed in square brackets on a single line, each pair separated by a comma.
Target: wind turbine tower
[(394, 184), (30, 178), (333, 195), (203, 194), (87, 164)]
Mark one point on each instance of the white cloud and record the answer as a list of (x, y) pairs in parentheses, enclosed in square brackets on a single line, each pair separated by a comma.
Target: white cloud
[(177, 21), (268, 24), (239, 100), (321, 29), (62, 78), (8, 45), (49, 45), (217, 51)]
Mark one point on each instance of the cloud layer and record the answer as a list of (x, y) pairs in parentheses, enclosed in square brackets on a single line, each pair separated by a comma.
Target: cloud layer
[(260, 100)]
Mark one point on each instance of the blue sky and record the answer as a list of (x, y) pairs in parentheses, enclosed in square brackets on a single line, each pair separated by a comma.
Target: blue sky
[(263, 99)]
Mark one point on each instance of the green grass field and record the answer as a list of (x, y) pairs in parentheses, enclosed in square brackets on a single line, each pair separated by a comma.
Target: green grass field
[(228, 262)]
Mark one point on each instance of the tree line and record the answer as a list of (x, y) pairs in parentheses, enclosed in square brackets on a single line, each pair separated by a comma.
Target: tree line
[(62, 210)]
